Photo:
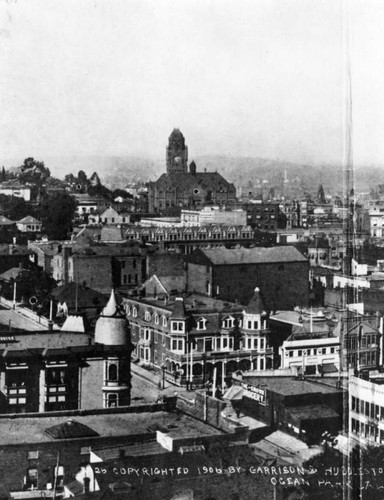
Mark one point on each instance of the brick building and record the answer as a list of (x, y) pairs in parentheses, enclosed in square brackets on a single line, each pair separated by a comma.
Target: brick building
[(281, 273), (189, 337), (46, 371), (305, 408), (101, 267)]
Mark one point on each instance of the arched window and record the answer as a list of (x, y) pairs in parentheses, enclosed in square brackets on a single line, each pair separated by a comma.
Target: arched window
[(134, 312), (112, 372), (156, 319), (147, 316)]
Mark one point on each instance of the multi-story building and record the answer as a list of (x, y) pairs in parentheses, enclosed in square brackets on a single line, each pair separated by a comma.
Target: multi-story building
[(281, 273), (366, 410), (189, 337), (213, 215), (48, 371), (265, 215), (178, 188), (101, 267)]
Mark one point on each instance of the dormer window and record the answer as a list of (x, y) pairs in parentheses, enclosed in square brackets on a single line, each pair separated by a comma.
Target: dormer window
[(228, 322), (156, 319), (134, 312), (165, 322), (147, 316), (200, 325), (128, 310)]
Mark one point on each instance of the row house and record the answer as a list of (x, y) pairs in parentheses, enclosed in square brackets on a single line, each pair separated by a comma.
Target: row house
[(192, 237), (188, 338)]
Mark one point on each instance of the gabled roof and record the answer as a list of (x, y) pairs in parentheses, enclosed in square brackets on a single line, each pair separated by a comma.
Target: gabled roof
[(29, 220), (4, 221)]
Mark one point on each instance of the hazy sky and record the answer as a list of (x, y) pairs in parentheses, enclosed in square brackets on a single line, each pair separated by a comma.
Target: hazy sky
[(251, 78)]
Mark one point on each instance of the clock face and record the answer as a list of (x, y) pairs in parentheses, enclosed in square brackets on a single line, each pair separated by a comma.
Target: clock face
[(177, 159)]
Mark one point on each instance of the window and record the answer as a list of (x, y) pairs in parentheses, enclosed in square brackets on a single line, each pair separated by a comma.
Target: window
[(177, 326), (156, 319), (128, 310), (255, 325), (228, 322), (165, 321), (112, 400), (147, 316), (112, 372), (33, 455), (200, 325), (177, 345), (262, 344), (134, 312), (249, 325), (32, 477)]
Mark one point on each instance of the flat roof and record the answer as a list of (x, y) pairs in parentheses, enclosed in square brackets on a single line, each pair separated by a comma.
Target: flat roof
[(290, 386), (32, 429)]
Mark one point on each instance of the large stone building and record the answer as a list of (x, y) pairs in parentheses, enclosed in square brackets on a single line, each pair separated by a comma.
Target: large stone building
[(179, 188)]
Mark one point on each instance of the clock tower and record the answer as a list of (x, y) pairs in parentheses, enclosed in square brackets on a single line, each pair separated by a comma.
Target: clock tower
[(177, 153)]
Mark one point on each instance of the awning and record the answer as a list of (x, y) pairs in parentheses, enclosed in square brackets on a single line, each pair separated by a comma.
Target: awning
[(328, 368), (313, 412), (234, 393)]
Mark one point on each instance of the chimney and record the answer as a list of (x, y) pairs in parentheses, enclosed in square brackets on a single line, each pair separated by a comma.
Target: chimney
[(86, 482)]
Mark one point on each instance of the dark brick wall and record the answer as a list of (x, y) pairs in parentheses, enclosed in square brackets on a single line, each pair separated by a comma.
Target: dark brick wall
[(282, 286), (91, 384), (94, 272), (166, 264), (197, 277)]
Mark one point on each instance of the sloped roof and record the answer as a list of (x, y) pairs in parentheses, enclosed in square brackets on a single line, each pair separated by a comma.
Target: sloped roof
[(257, 255), (73, 293), (255, 305), (4, 221), (29, 220), (187, 181), (110, 233), (70, 430), (74, 324), (112, 309), (178, 310), (12, 273)]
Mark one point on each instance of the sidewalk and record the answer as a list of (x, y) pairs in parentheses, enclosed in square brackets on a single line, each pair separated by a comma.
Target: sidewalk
[(156, 380)]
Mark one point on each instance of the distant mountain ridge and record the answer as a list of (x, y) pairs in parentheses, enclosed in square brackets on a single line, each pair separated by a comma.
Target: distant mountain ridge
[(117, 171)]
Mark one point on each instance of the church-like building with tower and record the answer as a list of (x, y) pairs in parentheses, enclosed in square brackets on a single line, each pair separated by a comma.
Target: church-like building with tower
[(186, 188)]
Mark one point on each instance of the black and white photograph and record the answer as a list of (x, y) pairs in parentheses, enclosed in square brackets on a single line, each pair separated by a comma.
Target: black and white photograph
[(191, 249)]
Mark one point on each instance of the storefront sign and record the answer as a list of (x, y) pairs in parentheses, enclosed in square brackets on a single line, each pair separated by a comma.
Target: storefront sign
[(249, 391)]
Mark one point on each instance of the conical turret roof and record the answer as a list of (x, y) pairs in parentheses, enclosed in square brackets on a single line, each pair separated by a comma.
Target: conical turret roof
[(112, 309), (255, 305)]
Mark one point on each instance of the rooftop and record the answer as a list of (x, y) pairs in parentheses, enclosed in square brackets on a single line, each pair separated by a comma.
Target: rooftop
[(33, 429), (289, 386), (257, 255)]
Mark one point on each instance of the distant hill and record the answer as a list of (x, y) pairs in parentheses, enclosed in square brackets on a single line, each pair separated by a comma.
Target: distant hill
[(117, 171)]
